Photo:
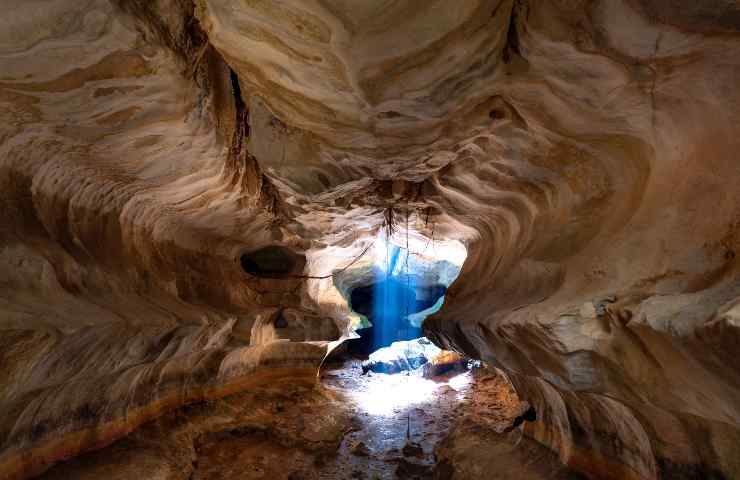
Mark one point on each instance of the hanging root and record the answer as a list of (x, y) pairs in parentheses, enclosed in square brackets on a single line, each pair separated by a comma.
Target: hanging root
[(389, 222)]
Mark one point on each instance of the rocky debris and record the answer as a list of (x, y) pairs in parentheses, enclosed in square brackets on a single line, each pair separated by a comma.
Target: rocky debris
[(412, 470), (401, 356), (472, 451), (494, 403), (483, 444), (229, 438), (412, 449), (317, 434), (445, 362), (358, 474), (360, 449), (191, 365), (446, 390)]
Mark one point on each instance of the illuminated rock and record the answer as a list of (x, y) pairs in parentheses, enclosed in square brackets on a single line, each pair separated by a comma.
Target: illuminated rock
[(401, 356)]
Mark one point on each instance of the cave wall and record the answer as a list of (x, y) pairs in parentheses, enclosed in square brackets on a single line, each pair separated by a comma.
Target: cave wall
[(617, 317), (127, 201)]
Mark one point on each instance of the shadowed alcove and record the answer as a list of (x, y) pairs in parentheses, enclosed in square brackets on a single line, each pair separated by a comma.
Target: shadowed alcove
[(273, 261)]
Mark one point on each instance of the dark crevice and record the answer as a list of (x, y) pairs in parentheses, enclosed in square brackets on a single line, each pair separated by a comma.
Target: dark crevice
[(273, 261), (390, 114), (237, 90), (242, 113), (280, 320), (242, 167), (654, 70), (512, 46), (184, 37), (528, 416), (502, 110)]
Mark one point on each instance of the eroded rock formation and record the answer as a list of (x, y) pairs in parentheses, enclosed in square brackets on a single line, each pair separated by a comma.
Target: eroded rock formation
[(179, 180)]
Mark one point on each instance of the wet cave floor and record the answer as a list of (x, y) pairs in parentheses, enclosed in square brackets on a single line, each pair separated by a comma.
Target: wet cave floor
[(346, 426)]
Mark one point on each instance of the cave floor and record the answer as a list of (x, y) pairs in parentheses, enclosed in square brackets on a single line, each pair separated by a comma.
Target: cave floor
[(348, 426), (387, 408)]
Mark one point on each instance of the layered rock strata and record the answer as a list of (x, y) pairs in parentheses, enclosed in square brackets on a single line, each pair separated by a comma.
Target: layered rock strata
[(583, 152)]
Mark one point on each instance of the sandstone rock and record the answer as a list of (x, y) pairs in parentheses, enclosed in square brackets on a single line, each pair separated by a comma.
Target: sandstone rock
[(361, 449), (174, 173), (401, 356), (412, 450), (445, 362)]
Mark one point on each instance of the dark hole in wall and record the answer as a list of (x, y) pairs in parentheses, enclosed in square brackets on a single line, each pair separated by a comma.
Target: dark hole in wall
[(497, 114), (273, 261), (325, 181), (280, 320), (389, 114), (529, 416)]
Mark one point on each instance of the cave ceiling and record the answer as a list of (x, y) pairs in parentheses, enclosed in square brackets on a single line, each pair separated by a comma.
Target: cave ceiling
[(583, 155)]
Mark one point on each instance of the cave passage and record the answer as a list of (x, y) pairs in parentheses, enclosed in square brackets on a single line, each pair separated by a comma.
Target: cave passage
[(401, 291), (389, 302)]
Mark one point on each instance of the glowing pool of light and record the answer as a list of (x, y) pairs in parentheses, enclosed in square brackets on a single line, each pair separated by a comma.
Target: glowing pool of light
[(460, 382), (387, 395)]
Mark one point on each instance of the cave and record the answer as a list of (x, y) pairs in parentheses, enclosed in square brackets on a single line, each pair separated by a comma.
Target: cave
[(395, 293), (417, 239), (273, 261)]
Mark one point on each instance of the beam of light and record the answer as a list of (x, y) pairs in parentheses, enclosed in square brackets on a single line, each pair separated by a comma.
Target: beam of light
[(394, 295), (399, 302)]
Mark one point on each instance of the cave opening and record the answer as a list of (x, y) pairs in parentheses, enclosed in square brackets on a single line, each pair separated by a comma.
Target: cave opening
[(389, 304), (272, 261), (393, 296)]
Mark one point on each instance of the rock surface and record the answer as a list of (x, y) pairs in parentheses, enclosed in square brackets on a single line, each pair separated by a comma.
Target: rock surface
[(401, 356), (281, 430), (584, 153)]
